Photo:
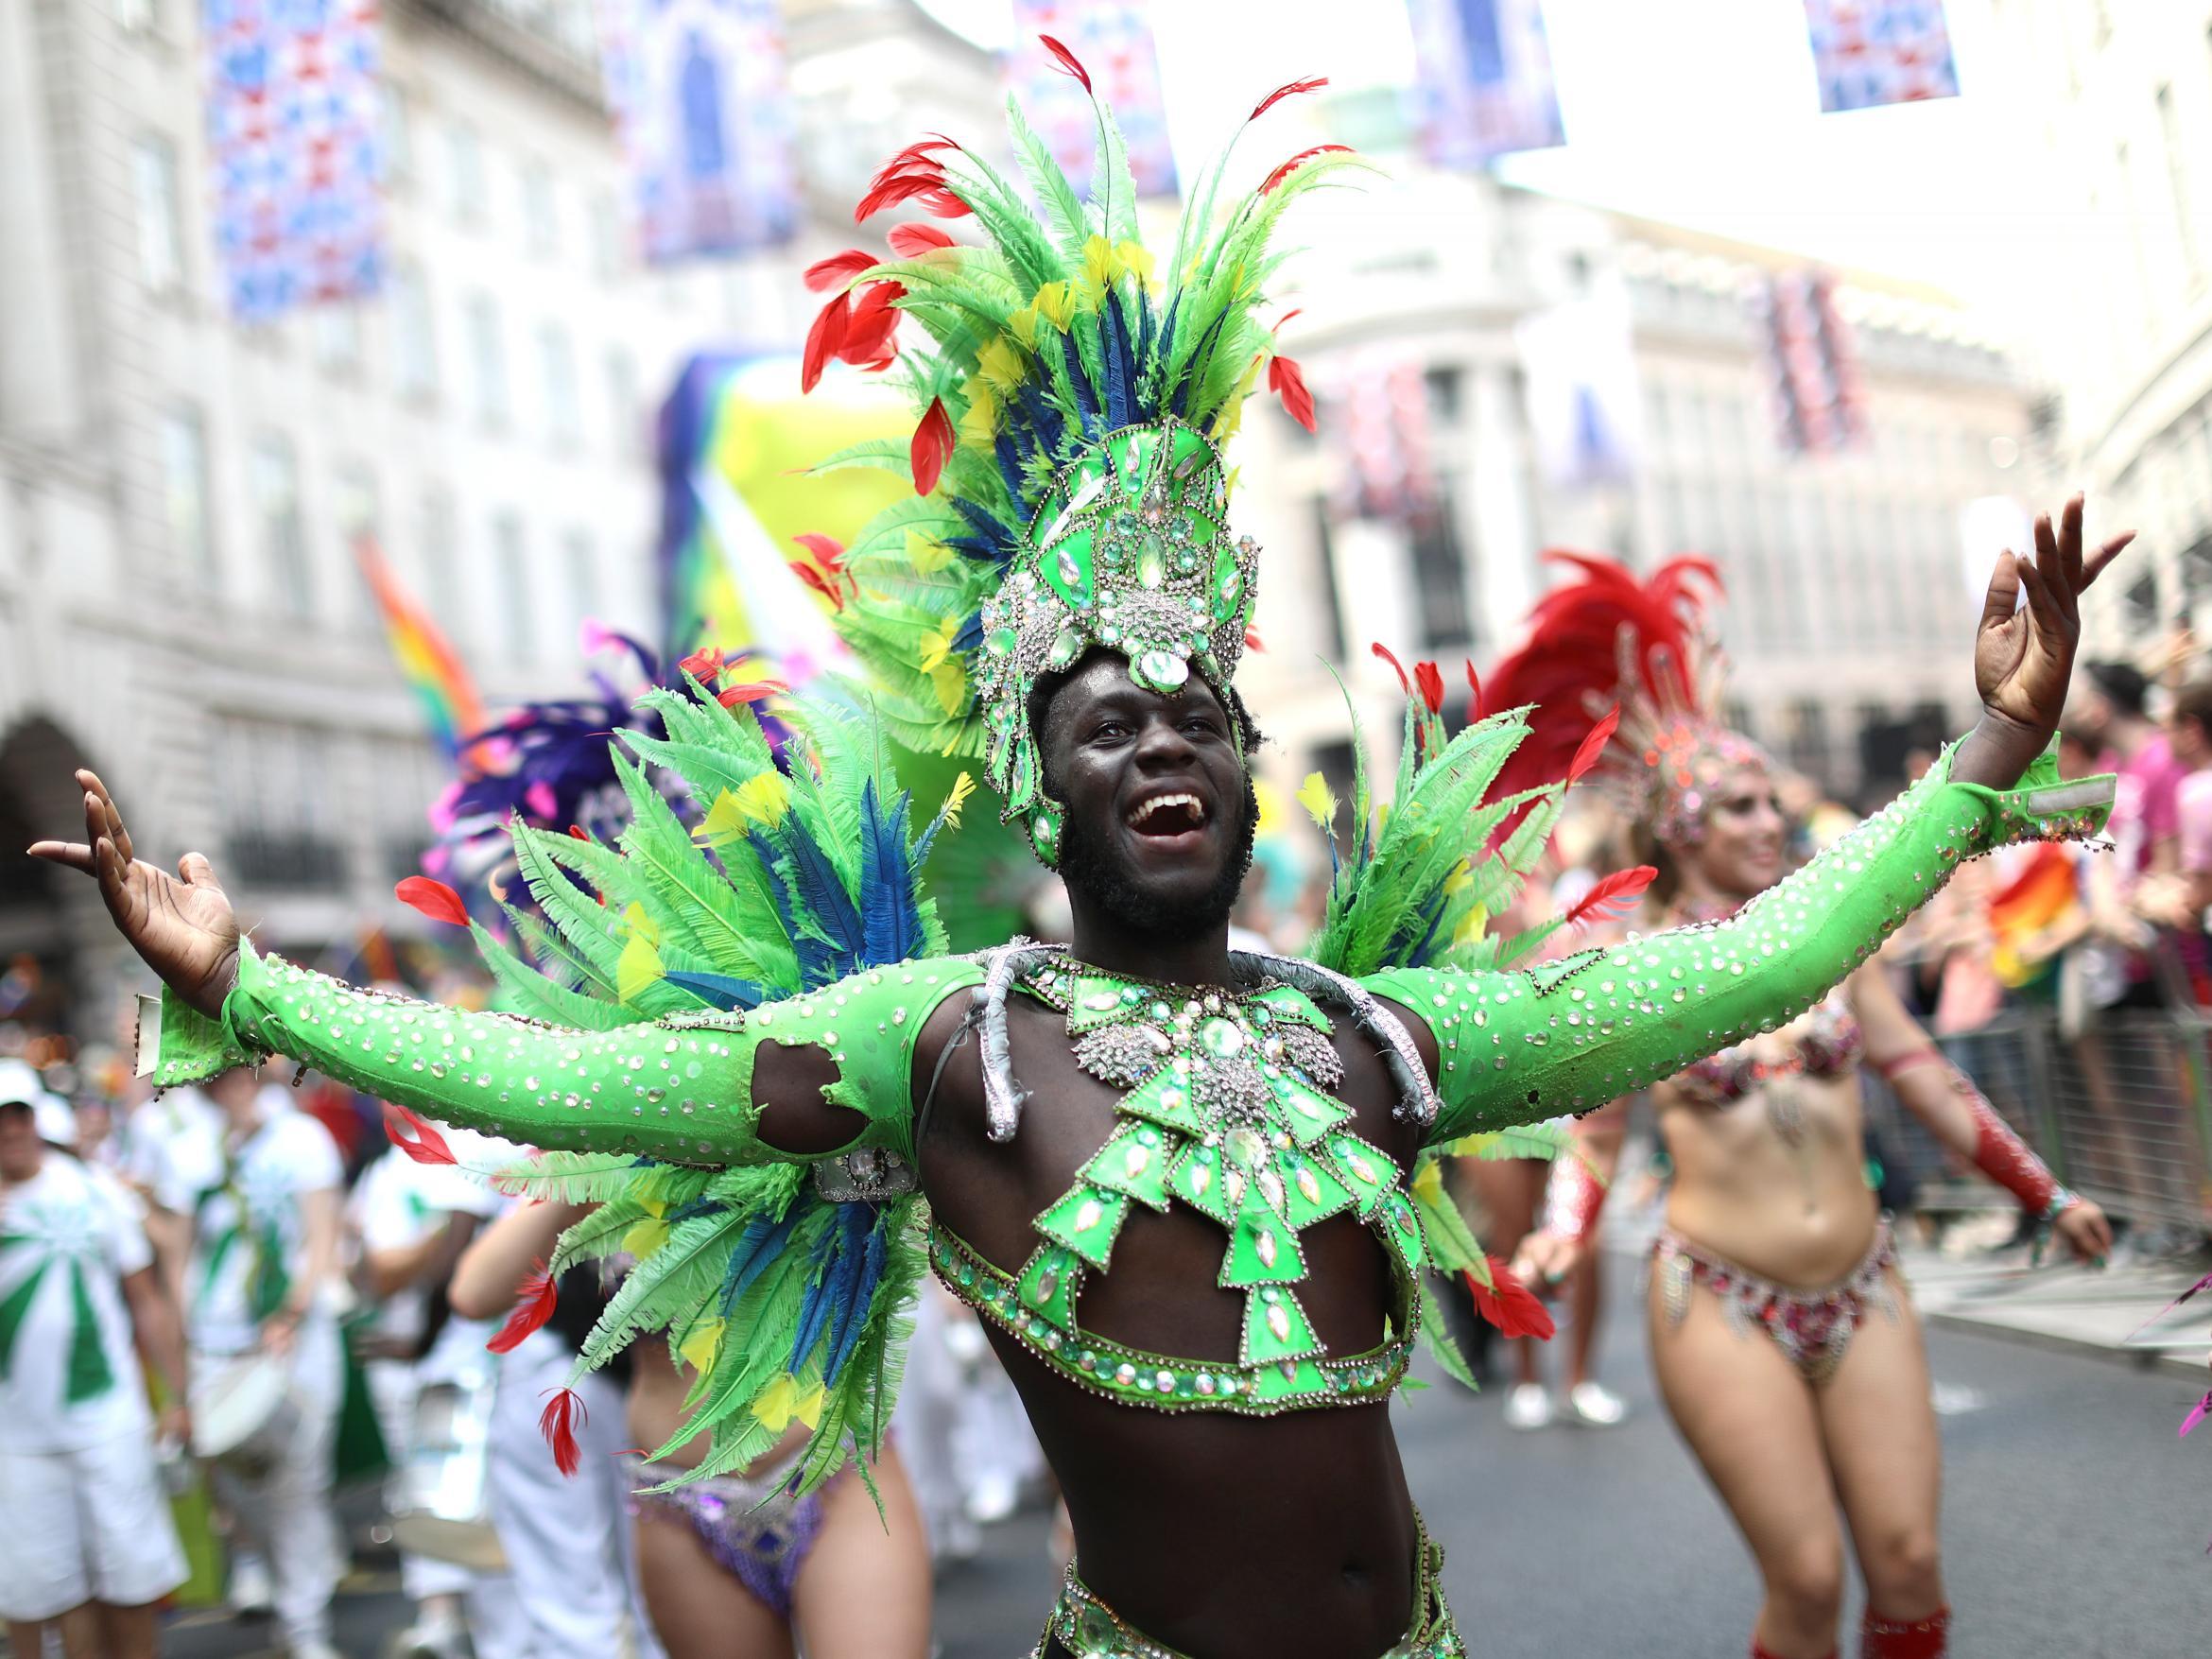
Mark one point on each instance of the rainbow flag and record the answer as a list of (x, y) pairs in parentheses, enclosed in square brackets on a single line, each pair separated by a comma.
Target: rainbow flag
[(2041, 891), (427, 661)]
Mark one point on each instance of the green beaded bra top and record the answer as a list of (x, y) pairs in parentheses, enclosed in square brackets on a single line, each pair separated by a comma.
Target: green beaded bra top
[(1226, 1108)]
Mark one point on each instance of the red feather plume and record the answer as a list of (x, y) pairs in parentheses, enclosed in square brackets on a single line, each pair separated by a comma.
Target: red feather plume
[(427, 1147), (825, 340), (828, 551), (1592, 747), (1611, 898), (824, 274), (1289, 90), (871, 327), (1297, 161), (821, 585), (751, 692), (913, 239), (557, 1423), (533, 1306), (932, 446), (1430, 680), (1511, 1306), (1397, 667), (1068, 62), (1287, 381), (433, 899), (1474, 690), (1253, 641)]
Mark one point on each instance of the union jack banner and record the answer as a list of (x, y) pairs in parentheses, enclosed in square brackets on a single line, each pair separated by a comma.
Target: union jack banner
[(1819, 395), (293, 122), (1484, 86), (1873, 52), (704, 111), (1115, 44)]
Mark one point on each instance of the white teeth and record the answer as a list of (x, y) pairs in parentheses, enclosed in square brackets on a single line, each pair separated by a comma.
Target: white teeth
[(1145, 808)]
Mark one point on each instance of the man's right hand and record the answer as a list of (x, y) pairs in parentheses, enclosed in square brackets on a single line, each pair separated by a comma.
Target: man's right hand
[(182, 924), (1544, 1259)]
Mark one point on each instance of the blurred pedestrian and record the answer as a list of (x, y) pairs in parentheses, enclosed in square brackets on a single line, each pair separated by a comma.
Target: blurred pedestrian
[(89, 1546), (264, 1282)]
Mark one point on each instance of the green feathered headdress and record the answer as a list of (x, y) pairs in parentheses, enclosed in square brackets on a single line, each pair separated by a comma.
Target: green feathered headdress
[(1073, 399)]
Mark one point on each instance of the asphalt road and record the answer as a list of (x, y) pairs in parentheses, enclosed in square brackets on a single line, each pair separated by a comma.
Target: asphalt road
[(2075, 1525)]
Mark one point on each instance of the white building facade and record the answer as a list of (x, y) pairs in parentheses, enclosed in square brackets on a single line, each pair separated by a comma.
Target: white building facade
[(1850, 610), (178, 603), (2116, 109)]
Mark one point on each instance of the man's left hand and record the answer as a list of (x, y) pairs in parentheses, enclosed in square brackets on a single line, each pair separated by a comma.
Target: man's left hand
[(2023, 657), (2083, 1229)]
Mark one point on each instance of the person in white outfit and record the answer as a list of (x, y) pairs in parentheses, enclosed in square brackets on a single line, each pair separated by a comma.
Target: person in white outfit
[(412, 1221), (263, 1278), (89, 1546)]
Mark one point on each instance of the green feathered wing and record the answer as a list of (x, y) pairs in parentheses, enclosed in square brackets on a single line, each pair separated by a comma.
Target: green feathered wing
[(799, 869), (1414, 884)]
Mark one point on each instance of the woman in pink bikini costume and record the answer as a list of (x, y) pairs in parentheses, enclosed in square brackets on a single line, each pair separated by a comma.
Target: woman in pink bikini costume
[(1782, 1338)]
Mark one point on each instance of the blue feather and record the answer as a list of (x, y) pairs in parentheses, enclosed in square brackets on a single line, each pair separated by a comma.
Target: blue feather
[(1167, 346), (760, 1244), (830, 920), (970, 638), (1185, 382), (693, 1208), (821, 1290), (719, 989), (859, 1305), (991, 535), (891, 919), (1009, 469), (1113, 349), (1086, 397)]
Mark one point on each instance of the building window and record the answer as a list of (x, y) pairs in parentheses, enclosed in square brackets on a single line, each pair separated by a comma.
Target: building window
[(161, 237), (1440, 573), (582, 562), (605, 237), (337, 334), (2177, 179), (183, 440), (464, 174), (557, 371), (283, 529), (1446, 385), (414, 345), (512, 565), (398, 123), (541, 220), (442, 566), (625, 410), (487, 360), (355, 508)]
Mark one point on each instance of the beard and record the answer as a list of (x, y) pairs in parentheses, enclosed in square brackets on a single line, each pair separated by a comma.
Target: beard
[(1090, 865)]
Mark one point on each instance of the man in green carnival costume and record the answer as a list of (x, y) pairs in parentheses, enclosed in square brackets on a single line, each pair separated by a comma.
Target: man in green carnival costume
[(1200, 1259)]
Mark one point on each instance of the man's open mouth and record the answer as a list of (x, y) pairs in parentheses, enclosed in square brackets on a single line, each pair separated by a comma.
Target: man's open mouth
[(1175, 812)]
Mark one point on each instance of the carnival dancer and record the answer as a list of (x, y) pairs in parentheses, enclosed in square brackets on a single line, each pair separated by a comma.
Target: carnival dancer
[(1183, 1188), (263, 1280), (89, 1546), (1783, 1338)]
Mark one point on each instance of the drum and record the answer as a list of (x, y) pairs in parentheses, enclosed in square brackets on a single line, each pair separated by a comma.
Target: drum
[(243, 1411), (440, 1495)]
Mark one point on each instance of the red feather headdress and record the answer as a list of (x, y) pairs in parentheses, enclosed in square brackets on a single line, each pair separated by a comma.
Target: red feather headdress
[(1607, 639)]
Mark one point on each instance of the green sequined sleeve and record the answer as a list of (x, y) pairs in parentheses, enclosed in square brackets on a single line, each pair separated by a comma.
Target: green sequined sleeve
[(679, 1089), (1569, 1035)]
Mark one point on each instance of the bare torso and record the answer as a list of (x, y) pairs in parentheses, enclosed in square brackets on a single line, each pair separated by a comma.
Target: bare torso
[(1288, 1537)]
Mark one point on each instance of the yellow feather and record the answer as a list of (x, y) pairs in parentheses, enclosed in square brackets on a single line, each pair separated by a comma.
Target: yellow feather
[(774, 1407), (1317, 799), (766, 797), (934, 646), (951, 681), (644, 926), (962, 787), (807, 1407), (1003, 364), (979, 426), (925, 552), (1429, 1183), (638, 967), (699, 1348), (1055, 304), (723, 823), (1022, 324), (645, 1238)]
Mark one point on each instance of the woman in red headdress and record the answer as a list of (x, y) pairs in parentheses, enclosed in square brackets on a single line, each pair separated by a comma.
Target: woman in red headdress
[(1783, 1338)]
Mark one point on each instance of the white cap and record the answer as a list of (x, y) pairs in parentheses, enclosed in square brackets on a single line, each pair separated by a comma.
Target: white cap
[(22, 1085)]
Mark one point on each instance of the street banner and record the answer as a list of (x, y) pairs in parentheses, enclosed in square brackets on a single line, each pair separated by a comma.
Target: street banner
[(293, 122), (1820, 394), (1578, 363), (1868, 53), (703, 109), (1484, 87), (1379, 400), (1113, 43)]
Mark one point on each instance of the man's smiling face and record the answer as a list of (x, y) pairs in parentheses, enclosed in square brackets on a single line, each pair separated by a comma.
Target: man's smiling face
[(1159, 804)]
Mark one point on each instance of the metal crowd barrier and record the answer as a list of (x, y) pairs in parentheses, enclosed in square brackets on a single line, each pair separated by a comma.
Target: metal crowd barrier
[(2123, 1113)]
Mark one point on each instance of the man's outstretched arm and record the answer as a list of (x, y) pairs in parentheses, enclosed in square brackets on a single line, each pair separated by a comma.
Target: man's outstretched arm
[(1570, 1035), (811, 1077)]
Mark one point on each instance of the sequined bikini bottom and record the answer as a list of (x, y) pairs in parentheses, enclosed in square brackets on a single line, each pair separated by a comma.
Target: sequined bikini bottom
[(1811, 1327), (1087, 1627), (756, 1531)]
